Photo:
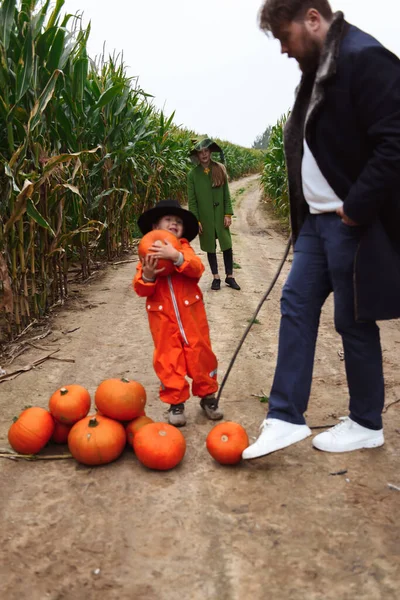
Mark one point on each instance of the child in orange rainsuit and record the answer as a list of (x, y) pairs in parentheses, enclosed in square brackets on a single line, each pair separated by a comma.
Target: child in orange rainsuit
[(176, 313)]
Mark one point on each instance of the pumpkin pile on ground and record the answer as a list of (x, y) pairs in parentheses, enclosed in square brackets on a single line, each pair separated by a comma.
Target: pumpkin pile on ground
[(100, 439), (157, 237), (226, 442), (94, 440)]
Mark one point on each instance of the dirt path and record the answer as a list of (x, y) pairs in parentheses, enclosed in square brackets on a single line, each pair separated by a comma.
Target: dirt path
[(281, 527)]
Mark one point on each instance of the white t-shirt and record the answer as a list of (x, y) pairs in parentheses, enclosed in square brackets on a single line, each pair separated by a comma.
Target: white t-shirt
[(318, 193)]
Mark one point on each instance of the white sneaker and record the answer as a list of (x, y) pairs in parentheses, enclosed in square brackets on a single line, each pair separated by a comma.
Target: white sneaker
[(347, 436), (275, 435)]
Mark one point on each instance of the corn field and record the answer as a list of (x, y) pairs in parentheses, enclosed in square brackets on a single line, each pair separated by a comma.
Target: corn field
[(82, 153), (274, 175)]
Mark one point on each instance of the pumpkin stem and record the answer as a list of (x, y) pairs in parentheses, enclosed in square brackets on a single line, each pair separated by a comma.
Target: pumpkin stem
[(224, 438), (93, 422), (124, 380), (63, 391)]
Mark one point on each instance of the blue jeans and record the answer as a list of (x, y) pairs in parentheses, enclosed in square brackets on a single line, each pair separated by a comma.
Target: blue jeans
[(323, 262)]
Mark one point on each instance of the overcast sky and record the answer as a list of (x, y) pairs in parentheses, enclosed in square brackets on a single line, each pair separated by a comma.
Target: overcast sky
[(208, 60)]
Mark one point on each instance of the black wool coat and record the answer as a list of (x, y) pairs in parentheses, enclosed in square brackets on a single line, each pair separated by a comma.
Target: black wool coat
[(349, 112)]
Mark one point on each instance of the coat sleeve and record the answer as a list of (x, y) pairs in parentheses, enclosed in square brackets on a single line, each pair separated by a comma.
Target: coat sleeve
[(192, 199), (192, 265), (142, 288), (228, 210), (375, 87)]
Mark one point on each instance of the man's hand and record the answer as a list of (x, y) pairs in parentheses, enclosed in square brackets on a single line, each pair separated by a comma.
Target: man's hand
[(149, 263), (345, 219), (227, 221), (200, 228), (164, 250)]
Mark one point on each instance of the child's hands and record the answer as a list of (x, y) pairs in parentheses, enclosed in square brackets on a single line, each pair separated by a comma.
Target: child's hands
[(149, 263), (164, 250)]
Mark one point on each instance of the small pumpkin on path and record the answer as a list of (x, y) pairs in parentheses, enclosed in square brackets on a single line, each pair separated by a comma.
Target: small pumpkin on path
[(226, 442), (159, 446)]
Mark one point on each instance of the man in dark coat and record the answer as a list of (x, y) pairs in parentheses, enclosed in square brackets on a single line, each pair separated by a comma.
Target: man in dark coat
[(342, 147)]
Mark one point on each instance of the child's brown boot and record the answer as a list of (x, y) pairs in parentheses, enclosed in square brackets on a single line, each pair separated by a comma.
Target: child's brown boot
[(210, 407), (176, 415)]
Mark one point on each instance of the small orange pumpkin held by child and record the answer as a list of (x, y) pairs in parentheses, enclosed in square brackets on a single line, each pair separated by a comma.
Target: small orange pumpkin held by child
[(96, 440), (226, 442), (157, 237), (31, 431), (159, 446), (69, 404), (120, 399), (61, 432), (133, 427)]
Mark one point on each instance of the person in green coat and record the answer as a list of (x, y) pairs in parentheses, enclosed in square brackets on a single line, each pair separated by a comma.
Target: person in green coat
[(210, 201)]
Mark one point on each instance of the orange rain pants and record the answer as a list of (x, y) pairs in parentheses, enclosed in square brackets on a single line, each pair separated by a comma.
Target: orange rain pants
[(179, 327)]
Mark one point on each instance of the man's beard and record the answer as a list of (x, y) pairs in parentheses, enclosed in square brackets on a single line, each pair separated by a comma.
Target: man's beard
[(310, 60)]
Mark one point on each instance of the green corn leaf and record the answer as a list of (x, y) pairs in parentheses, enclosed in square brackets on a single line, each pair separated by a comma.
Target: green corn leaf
[(38, 19), (66, 19), (7, 21), (34, 214), (44, 42), (25, 67), (65, 125), (122, 102), (109, 94), (79, 77), (56, 50), (53, 20), (42, 101)]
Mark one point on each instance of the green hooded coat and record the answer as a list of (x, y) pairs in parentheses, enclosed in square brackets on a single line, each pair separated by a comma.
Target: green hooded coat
[(210, 205)]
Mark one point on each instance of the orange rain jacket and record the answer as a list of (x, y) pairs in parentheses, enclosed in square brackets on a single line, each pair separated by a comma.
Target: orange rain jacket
[(179, 327)]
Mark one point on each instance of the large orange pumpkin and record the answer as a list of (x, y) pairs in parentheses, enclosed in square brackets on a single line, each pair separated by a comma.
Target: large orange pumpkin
[(69, 404), (31, 431), (159, 446), (60, 434), (133, 427), (226, 442), (120, 399), (96, 440), (157, 236)]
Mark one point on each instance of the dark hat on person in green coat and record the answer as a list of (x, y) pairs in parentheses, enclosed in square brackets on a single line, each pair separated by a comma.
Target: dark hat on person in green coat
[(169, 207), (206, 143)]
